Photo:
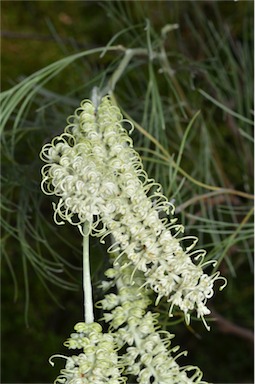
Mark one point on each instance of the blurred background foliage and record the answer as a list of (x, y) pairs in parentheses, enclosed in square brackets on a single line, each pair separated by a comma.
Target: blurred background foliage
[(204, 65)]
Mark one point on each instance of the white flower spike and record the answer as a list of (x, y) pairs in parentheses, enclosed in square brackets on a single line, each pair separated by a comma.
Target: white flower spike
[(97, 363), (99, 178), (149, 354)]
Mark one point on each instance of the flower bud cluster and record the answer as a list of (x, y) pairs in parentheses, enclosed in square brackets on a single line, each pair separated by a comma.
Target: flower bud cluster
[(97, 364), (149, 355), (99, 178)]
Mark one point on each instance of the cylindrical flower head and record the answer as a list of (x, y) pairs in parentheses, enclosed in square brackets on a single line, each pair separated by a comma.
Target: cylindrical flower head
[(148, 354), (98, 362), (99, 178)]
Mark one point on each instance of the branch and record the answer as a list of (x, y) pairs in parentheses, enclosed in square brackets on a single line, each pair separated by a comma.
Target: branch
[(226, 326)]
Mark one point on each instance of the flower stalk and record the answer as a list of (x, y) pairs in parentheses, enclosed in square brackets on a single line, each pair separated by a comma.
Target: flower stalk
[(87, 286)]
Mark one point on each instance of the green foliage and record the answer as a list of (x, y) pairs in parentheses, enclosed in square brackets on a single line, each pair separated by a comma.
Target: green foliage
[(206, 167)]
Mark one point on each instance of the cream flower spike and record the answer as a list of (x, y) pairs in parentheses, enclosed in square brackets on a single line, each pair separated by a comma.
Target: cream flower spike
[(149, 353), (99, 178), (97, 363)]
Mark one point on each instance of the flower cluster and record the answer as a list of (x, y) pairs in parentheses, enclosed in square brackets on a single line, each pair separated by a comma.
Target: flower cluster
[(99, 178), (98, 364), (149, 355)]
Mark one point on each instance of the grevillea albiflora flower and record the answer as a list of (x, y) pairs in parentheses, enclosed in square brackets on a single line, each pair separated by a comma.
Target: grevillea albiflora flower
[(98, 362), (99, 179), (148, 355)]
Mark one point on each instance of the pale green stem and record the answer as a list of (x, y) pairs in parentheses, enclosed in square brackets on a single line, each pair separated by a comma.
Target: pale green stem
[(87, 288), (129, 54)]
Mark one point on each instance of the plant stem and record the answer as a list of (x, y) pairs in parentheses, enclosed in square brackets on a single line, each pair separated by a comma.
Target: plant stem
[(87, 288), (129, 54)]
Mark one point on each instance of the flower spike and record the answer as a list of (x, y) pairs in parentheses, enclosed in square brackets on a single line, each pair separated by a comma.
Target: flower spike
[(99, 178)]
